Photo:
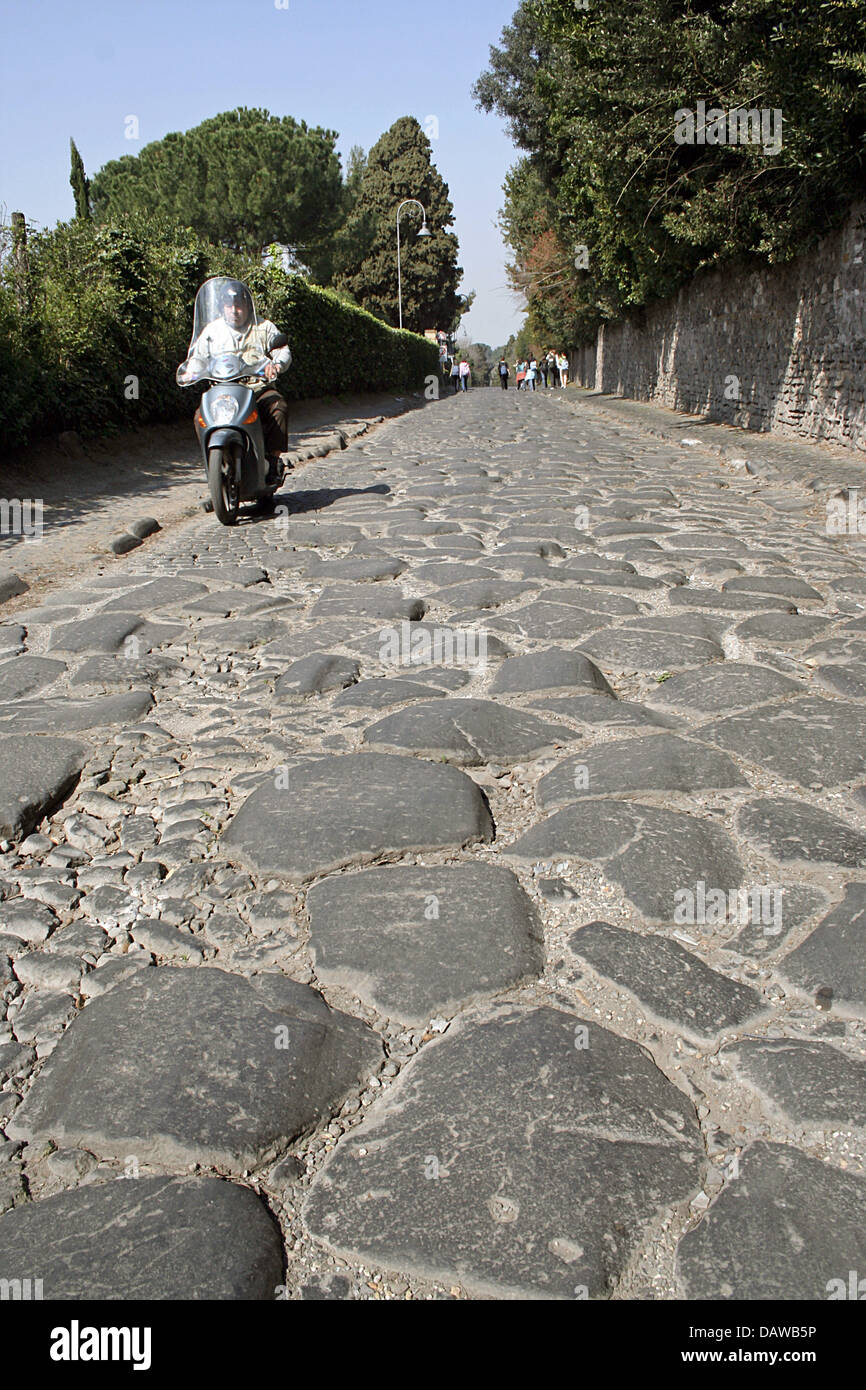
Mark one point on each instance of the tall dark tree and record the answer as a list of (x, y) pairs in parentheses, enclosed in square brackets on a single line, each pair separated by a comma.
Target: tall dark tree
[(244, 179), (399, 166), (80, 183), (592, 96)]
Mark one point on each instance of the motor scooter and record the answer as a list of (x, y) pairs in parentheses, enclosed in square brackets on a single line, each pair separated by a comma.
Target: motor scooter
[(227, 421)]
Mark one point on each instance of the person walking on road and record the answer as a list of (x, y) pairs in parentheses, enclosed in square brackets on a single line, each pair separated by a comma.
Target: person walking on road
[(543, 369), (553, 368), (503, 373), (520, 374), (532, 374), (455, 375), (464, 374), (562, 364)]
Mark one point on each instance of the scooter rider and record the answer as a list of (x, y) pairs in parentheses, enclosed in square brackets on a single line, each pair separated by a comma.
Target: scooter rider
[(238, 332)]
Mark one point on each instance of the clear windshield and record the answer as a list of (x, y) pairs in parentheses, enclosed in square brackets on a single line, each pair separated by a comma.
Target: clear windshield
[(224, 326)]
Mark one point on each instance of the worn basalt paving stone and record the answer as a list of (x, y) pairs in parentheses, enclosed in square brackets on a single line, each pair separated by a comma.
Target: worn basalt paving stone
[(559, 622), (383, 692), (811, 741), (716, 689), (784, 630), (806, 1082), (790, 830), (786, 585), (482, 593), (848, 680), (121, 672), (785, 1229), (76, 716), (467, 732), (237, 600), (36, 774), (683, 597), (361, 571), (668, 981), (379, 602), (833, 956), (156, 594), (297, 642), (194, 1065), (146, 1238), (799, 902), (24, 675), (663, 762), (344, 810), (93, 635), (649, 852), (315, 675), (627, 648), (594, 709), (427, 648), (237, 634), (551, 1141), (551, 670), (417, 942)]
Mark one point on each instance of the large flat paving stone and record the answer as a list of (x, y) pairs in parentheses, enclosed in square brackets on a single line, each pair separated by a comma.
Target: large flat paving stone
[(336, 811), (75, 716), (717, 689), (805, 1082), (810, 741), (146, 1238), (24, 675), (595, 710), (383, 602), (419, 942), (668, 981), (36, 774), (784, 1229), (662, 762), (316, 675), (649, 649), (467, 732), (192, 1065), (155, 594), (551, 670), (653, 854), (545, 621), (384, 691), (521, 1156), (790, 830), (833, 956), (107, 633)]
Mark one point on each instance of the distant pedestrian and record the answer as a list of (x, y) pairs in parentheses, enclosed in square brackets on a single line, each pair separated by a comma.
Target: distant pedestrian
[(553, 369), (520, 371), (503, 373), (532, 374), (455, 375), (562, 363), (464, 370), (542, 366)]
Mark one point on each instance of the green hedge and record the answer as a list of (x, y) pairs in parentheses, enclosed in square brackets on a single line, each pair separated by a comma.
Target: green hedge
[(109, 318)]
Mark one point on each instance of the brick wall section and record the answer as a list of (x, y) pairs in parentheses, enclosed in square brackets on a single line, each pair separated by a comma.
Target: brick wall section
[(793, 335)]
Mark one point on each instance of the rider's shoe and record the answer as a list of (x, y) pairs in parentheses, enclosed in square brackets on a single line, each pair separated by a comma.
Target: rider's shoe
[(276, 469)]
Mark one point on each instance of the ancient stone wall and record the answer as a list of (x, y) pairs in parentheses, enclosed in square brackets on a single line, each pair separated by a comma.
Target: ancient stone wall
[(780, 348)]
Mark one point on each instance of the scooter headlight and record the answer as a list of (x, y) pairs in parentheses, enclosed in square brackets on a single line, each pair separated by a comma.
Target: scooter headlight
[(224, 409)]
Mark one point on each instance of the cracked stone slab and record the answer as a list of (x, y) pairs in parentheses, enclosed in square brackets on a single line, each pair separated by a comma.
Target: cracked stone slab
[(24, 675), (790, 830), (384, 691), (107, 633), (649, 649), (467, 732), (431, 647), (807, 1083), (545, 621), (76, 716), (380, 602), (418, 942), (784, 585), (799, 903), (146, 1238), (156, 594), (184, 1066), (521, 1156), (833, 956), (336, 811), (651, 853), (551, 670), (810, 741), (661, 762), (36, 775), (122, 672), (784, 1229), (784, 629), (593, 710), (716, 689), (668, 981), (316, 675)]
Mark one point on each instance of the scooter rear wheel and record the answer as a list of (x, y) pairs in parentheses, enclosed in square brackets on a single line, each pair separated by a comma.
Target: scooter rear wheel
[(224, 490)]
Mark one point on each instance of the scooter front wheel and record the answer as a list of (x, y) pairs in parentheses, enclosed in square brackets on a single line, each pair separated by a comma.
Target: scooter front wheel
[(224, 490)]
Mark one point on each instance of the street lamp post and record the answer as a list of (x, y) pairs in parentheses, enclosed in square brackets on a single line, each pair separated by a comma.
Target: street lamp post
[(423, 232)]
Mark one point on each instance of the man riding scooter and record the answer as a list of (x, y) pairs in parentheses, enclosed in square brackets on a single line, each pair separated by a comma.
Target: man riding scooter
[(240, 333)]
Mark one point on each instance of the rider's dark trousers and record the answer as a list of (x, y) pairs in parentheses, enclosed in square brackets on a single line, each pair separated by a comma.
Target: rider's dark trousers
[(274, 414)]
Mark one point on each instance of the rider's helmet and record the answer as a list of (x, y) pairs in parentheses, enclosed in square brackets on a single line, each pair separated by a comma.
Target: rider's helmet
[(236, 303)]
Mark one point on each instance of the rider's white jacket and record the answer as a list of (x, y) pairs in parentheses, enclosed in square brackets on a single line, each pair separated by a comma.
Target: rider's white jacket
[(253, 343)]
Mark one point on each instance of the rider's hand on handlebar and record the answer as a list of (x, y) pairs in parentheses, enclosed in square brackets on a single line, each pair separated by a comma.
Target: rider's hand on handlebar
[(271, 371)]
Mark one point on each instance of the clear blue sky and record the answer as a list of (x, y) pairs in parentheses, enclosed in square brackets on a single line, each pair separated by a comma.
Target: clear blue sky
[(79, 67)]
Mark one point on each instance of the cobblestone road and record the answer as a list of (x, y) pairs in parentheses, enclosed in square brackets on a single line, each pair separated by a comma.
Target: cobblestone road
[(452, 886)]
